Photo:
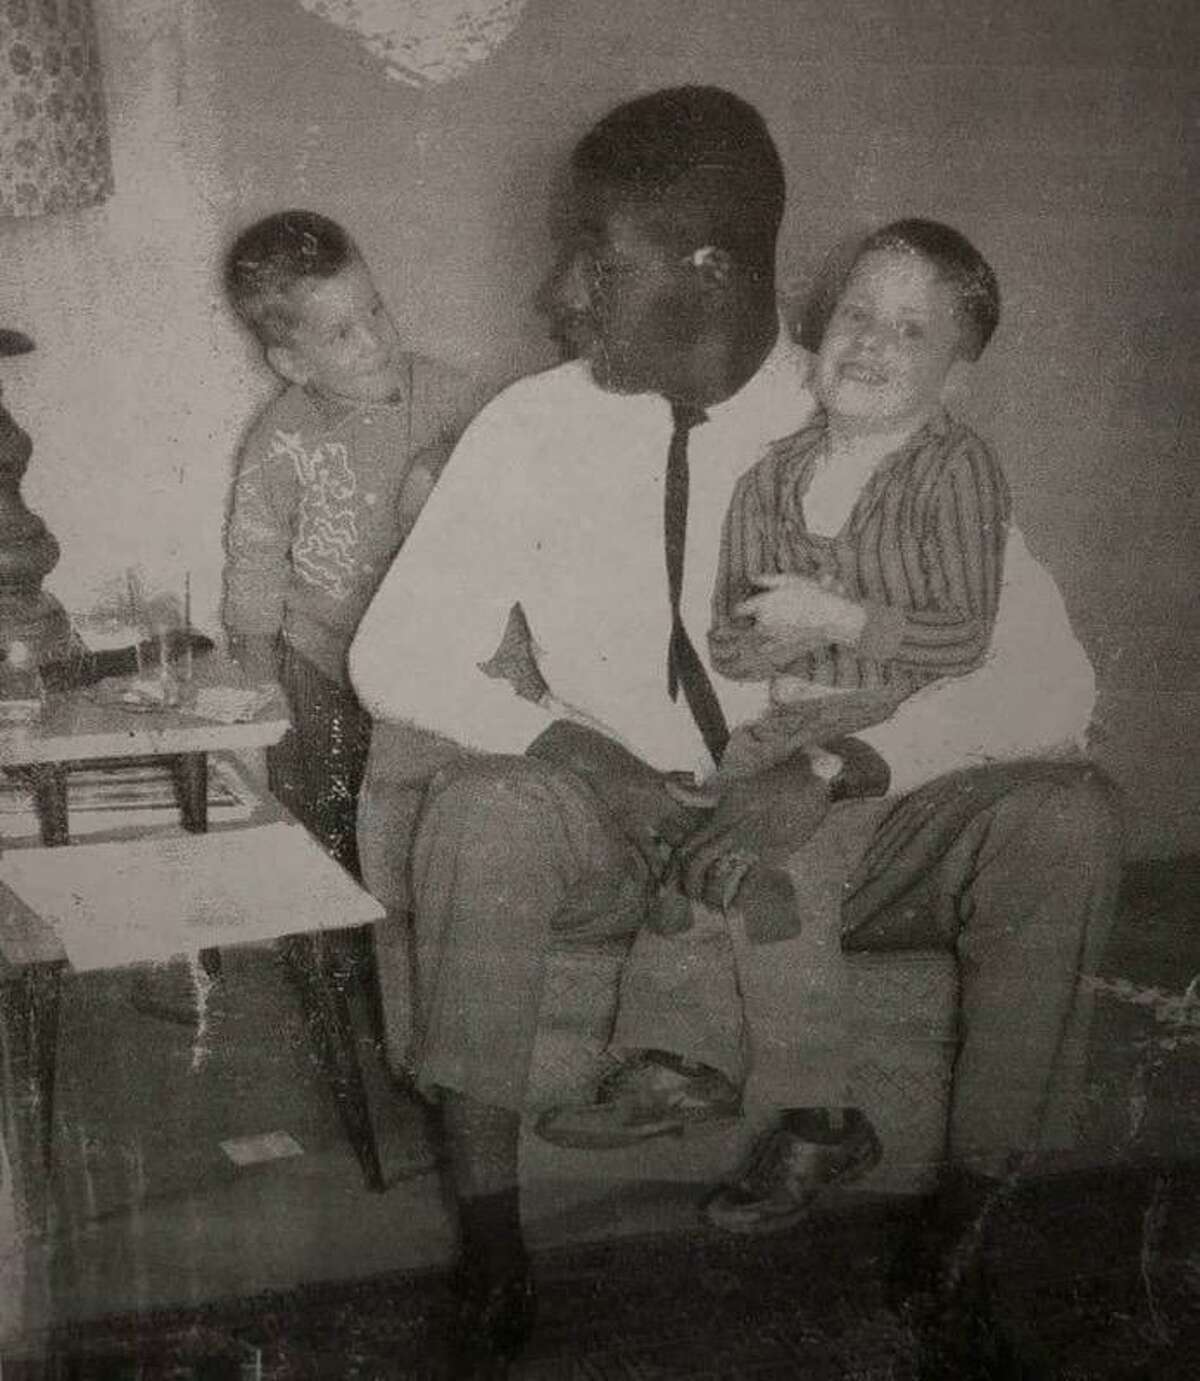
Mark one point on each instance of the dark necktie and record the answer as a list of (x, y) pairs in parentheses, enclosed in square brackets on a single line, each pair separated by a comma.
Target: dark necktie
[(684, 667)]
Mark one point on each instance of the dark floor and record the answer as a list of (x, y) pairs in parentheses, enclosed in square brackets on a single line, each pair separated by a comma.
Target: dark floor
[(151, 1214)]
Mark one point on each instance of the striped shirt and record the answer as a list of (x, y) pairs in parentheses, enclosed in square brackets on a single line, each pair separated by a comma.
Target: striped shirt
[(922, 551), (553, 499)]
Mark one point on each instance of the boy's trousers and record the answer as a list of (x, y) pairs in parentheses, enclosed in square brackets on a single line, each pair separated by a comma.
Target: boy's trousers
[(317, 768)]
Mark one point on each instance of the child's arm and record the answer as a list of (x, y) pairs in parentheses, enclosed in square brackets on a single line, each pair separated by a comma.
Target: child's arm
[(961, 556), (963, 548), (257, 654), (737, 647), (451, 400), (258, 538), (418, 485)]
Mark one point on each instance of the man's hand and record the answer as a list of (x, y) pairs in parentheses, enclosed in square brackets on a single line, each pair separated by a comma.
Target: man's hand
[(795, 611), (635, 793), (755, 819)]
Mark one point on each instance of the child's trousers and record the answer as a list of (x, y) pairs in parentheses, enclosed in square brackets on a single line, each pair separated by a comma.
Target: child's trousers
[(317, 768)]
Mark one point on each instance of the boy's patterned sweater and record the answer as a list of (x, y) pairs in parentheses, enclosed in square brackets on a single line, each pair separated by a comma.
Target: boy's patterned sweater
[(325, 493)]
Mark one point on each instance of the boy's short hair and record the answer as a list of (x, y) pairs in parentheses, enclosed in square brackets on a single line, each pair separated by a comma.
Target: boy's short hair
[(268, 260), (960, 266), (702, 155)]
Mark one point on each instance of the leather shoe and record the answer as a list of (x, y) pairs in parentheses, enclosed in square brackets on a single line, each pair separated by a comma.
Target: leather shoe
[(493, 1320), (790, 1166), (654, 1093)]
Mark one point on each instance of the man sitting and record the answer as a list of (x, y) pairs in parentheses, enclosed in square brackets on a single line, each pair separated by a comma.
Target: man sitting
[(555, 517)]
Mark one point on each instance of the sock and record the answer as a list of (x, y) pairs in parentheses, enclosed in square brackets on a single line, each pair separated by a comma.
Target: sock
[(767, 902), (481, 1146), (490, 1227), (941, 1252)]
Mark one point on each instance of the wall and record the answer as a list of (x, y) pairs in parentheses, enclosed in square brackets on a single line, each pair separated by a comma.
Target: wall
[(1062, 138), (136, 392)]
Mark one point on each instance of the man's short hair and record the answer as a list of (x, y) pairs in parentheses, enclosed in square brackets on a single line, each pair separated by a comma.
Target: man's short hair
[(268, 260), (959, 265), (701, 156)]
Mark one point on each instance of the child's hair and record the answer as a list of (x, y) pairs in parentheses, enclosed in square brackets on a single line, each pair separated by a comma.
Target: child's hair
[(269, 258), (960, 266)]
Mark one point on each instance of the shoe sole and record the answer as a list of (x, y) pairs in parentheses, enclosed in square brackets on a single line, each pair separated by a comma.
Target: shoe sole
[(634, 1136), (855, 1170)]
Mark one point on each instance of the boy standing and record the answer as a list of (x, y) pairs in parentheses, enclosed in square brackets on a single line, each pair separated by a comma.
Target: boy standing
[(330, 480)]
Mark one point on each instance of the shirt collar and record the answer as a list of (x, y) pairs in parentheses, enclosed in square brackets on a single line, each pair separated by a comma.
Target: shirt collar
[(937, 425), (333, 410)]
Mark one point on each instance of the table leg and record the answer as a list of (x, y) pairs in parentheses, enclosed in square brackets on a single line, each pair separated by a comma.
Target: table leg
[(191, 777), (29, 1007), (42, 998), (191, 774), (50, 801), (40, 986), (327, 1014)]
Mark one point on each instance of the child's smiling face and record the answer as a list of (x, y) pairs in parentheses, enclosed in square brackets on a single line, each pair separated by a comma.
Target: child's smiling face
[(890, 345), (344, 342)]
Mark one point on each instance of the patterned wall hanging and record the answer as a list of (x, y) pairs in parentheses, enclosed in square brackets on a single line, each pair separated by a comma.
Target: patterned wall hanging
[(54, 150), (423, 42)]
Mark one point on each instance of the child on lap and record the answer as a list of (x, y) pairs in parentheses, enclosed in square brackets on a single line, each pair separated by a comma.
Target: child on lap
[(862, 557)]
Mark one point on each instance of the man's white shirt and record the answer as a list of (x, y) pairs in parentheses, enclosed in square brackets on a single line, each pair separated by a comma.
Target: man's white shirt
[(553, 499)]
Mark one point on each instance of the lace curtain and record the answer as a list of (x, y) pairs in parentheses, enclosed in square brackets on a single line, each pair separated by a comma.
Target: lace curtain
[(54, 152)]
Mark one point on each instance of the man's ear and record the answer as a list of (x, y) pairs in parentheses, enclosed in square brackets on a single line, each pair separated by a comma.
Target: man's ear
[(287, 364), (714, 265)]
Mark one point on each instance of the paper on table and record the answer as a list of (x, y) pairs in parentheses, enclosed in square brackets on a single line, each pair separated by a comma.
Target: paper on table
[(231, 704), (150, 899)]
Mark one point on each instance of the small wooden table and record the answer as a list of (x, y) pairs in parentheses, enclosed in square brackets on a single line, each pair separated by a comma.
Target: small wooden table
[(77, 731)]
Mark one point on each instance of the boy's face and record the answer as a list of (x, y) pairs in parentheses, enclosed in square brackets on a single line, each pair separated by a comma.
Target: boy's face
[(344, 343), (890, 345)]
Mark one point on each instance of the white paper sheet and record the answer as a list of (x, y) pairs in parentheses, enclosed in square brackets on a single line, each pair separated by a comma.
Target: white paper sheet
[(138, 900)]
